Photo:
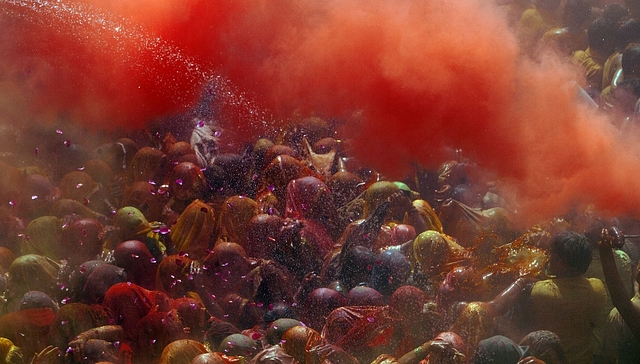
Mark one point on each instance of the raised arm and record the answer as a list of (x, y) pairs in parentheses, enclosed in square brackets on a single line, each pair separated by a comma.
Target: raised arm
[(629, 312)]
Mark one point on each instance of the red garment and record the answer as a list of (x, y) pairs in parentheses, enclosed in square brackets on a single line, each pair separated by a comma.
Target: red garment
[(138, 263), (27, 329), (319, 305), (129, 303), (367, 332)]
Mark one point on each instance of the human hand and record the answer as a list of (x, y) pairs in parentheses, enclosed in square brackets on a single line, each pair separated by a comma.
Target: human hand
[(46, 356), (606, 239)]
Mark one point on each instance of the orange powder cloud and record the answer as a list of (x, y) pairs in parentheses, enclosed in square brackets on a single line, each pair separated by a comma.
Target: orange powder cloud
[(422, 76)]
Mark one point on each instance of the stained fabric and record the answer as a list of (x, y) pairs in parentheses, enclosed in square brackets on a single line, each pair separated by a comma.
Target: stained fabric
[(193, 233), (367, 332), (181, 352)]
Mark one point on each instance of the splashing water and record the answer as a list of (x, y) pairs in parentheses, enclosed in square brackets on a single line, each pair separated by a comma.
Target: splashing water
[(78, 62)]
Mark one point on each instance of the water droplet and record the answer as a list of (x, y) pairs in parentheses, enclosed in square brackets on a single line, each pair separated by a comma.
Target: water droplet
[(63, 322), (179, 182), (12, 203), (58, 131), (34, 197), (37, 151), (217, 134), (79, 185), (135, 256), (370, 319), (84, 232), (153, 261), (271, 188), (65, 300), (67, 143), (116, 344), (200, 124)]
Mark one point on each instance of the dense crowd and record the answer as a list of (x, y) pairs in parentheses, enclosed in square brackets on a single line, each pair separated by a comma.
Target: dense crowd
[(162, 247)]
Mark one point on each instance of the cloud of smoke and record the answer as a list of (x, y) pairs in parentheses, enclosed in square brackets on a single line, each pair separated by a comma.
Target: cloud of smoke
[(422, 76)]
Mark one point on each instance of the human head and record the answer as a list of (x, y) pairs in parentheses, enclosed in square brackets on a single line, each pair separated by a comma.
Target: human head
[(576, 13), (570, 254), (497, 350), (364, 296), (390, 271), (631, 61), (602, 35), (546, 346), (277, 328)]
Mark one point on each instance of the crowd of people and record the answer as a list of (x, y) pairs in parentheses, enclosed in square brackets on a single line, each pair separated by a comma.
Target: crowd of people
[(161, 247)]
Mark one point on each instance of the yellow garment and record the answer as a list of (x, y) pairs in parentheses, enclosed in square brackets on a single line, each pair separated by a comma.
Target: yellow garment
[(475, 323), (592, 63), (78, 185), (533, 24), (610, 67), (376, 194), (235, 214), (131, 224), (623, 263), (181, 352), (619, 341), (429, 215), (193, 233), (571, 308), (9, 353), (433, 251), (42, 237), (564, 40)]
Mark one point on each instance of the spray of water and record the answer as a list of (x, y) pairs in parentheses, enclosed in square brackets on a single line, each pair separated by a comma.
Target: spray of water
[(420, 76)]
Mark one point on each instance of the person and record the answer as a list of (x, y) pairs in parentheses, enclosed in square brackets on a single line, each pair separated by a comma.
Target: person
[(544, 345), (193, 232), (498, 350), (235, 214), (601, 36), (622, 335), (535, 22), (567, 303), (572, 36)]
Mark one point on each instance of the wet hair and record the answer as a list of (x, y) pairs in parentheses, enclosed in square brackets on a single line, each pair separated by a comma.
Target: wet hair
[(630, 59), (576, 13), (602, 35), (629, 32), (277, 311), (573, 249), (390, 272), (615, 12)]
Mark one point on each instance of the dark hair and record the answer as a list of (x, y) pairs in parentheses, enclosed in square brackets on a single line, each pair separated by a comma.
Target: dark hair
[(573, 249), (629, 32), (615, 12), (602, 35), (630, 58), (576, 13)]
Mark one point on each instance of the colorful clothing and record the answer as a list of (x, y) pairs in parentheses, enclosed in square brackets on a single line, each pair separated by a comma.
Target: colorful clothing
[(572, 308)]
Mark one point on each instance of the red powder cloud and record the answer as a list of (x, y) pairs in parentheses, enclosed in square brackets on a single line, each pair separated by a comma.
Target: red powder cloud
[(422, 76)]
